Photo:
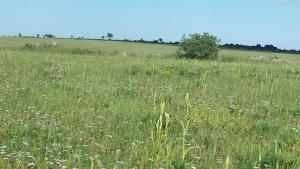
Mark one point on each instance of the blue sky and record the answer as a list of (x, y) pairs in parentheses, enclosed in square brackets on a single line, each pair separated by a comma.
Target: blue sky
[(238, 21)]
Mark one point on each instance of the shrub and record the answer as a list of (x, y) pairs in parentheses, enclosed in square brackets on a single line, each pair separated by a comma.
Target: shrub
[(199, 46)]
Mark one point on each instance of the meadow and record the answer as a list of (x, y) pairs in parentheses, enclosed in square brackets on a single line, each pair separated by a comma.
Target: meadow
[(104, 104)]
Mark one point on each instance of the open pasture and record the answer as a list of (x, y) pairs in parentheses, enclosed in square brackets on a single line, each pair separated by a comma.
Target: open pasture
[(102, 104)]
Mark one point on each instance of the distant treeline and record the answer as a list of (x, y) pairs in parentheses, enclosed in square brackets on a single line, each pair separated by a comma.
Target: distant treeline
[(149, 42), (258, 47)]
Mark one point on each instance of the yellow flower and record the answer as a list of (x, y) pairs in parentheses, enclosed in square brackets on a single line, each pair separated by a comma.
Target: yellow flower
[(167, 73)]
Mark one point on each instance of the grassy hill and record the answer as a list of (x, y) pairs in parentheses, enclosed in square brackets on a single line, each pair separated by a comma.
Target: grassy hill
[(102, 104), (130, 47)]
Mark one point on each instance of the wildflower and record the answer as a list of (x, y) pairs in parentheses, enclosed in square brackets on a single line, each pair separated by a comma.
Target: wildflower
[(151, 160), (219, 161), (109, 136), (30, 165), (120, 162), (139, 142), (197, 158), (25, 143)]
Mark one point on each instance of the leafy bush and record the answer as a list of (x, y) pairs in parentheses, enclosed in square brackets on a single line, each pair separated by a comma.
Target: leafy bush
[(199, 46)]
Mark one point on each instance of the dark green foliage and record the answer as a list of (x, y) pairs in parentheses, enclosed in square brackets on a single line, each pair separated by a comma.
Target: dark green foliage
[(264, 127), (197, 46), (271, 160), (245, 162), (178, 164)]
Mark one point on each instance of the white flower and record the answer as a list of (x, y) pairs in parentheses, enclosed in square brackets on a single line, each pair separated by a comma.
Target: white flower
[(120, 162), (109, 136), (25, 143), (31, 165)]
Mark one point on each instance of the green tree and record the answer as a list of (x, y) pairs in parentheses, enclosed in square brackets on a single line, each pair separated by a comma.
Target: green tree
[(199, 46), (110, 36), (49, 36)]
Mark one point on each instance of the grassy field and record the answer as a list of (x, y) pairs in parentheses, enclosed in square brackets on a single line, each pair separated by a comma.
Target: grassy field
[(100, 104)]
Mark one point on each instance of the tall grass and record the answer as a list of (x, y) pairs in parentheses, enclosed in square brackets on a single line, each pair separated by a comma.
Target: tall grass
[(61, 108)]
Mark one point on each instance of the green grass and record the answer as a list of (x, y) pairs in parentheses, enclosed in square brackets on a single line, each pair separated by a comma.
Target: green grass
[(106, 46), (73, 106)]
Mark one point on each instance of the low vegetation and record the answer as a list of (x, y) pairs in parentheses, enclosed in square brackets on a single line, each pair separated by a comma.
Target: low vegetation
[(138, 106)]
